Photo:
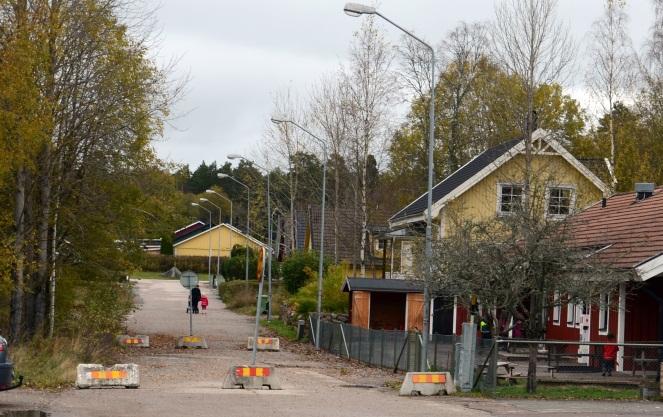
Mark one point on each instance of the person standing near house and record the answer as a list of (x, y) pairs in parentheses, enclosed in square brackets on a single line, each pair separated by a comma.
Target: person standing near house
[(484, 328), (195, 298), (609, 356)]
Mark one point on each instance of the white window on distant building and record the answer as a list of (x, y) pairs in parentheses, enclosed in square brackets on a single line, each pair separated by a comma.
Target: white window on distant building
[(406, 257), (509, 198), (604, 312), (557, 309), (570, 314), (561, 201)]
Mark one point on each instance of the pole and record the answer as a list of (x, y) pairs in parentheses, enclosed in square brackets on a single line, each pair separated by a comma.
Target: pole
[(269, 254), (218, 254), (322, 248), (246, 244), (255, 331), (190, 307), (429, 217), (209, 253)]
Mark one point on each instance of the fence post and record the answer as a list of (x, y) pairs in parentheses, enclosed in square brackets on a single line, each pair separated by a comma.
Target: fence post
[(370, 347), (381, 348), (345, 343)]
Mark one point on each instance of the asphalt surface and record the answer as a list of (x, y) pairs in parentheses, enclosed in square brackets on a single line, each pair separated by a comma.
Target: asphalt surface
[(189, 382)]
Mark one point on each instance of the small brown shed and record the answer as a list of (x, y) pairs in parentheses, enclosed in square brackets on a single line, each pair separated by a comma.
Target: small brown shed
[(390, 304)]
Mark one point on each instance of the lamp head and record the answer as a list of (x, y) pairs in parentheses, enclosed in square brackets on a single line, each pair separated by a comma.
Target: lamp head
[(279, 118), (209, 191), (235, 156), (195, 204), (356, 9), (203, 199), (221, 175)]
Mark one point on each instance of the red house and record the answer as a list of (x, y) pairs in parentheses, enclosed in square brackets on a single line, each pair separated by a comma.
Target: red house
[(627, 232)]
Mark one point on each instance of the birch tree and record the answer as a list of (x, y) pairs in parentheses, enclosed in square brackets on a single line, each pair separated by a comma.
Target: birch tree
[(610, 74), (370, 87), (329, 111), (534, 46)]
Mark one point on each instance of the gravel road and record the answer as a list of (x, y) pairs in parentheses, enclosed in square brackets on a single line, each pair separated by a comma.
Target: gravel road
[(188, 382)]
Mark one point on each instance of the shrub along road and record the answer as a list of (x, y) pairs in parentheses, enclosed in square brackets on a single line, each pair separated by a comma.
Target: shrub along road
[(179, 383)]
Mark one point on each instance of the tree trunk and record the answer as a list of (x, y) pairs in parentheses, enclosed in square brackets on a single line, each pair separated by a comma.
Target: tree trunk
[(364, 217), (531, 368), (336, 189), (43, 235), (18, 278)]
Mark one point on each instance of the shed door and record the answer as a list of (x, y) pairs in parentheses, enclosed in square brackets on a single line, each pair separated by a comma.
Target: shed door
[(361, 301), (415, 311)]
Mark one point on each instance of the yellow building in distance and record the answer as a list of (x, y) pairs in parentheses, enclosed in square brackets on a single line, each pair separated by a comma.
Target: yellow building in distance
[(225, 236)]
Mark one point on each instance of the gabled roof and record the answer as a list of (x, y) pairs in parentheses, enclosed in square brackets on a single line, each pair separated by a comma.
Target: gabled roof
[(454, 180), (190, 228), (478, 168), (206, 229), (630, 231), (382, 285)]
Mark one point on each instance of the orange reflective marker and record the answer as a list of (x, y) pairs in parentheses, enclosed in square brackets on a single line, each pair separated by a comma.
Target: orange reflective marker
[(108, 374), (251, 371), (429, 378)]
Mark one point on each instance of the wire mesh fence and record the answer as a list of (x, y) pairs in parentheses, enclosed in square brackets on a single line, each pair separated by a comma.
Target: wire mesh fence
[(392, 349)]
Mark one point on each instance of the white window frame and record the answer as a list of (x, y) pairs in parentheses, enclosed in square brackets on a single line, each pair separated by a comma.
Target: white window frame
[(499, 196), (572, 200), (557, 309), (581, 309), (570, 314), (604, 313)]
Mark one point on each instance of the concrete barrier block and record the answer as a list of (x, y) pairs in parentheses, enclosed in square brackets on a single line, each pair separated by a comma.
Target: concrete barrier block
[(92, 375), (427, 383), (139, 340), (191, 342), (264, 343), (252, 377)]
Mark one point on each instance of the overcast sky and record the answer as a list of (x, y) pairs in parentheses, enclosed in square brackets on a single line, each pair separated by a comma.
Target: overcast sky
[(238, 53)]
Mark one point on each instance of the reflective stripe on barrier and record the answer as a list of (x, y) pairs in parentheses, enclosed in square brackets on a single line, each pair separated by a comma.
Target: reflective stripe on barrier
[(264, 343), (251, 377), (427, 383), (119, 375), (194, 342), (134, 341)]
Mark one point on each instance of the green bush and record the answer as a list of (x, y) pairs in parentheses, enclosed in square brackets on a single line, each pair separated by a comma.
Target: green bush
[(333, 299), (235, 267), (298, 269)]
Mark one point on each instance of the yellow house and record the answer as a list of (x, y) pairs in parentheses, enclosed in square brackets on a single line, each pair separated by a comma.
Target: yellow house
[(487, 186), (224, 236)]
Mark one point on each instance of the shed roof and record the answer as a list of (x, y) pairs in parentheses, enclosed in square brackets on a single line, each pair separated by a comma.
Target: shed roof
[(382, 285)]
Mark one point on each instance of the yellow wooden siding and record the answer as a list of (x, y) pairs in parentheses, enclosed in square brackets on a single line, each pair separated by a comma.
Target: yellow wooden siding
[(199, 245), (480, 202)]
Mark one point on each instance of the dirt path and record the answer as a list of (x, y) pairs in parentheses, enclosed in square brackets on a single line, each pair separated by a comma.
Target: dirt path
[(177, 383), (180, 383)]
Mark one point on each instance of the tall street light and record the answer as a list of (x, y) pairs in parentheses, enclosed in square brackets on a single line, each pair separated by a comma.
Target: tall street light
[(231, 223), (209, 244), (218, 252), (354, 10), (283, 119), (248, 207), (269, 234)]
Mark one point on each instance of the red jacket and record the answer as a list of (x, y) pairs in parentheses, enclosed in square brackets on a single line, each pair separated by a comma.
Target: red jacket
[(610, 352)]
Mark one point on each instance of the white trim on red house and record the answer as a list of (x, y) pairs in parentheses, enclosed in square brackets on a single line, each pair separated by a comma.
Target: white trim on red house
[(621, 325), (650, 268)]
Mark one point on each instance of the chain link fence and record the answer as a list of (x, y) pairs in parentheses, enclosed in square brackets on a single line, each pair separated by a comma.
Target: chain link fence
[(392, 349)]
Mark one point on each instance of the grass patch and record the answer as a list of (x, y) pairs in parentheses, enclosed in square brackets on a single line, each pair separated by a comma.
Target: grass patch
[(563, 392), (281, 329), (51, 363)]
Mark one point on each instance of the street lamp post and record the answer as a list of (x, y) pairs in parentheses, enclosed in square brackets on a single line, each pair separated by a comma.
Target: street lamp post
[(282, 119), (218, 252), (209, 244), (354, 10), (248, 210), (231, 223), (269, 235)]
